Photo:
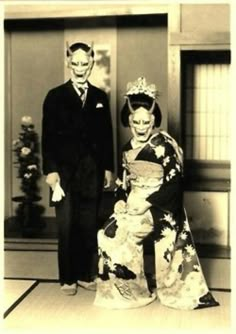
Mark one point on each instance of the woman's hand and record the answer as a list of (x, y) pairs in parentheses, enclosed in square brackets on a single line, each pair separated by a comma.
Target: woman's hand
[(138, 208), (120, 207)]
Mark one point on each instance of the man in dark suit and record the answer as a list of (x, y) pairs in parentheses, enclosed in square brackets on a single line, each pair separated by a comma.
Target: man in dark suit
[(77, 151)]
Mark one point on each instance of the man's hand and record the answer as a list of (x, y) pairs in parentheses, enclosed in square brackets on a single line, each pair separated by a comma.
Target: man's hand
[(58, 193), (108, 179), (52, 179)]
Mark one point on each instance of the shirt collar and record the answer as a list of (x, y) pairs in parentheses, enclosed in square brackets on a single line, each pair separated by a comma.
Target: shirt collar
[(78, 85)]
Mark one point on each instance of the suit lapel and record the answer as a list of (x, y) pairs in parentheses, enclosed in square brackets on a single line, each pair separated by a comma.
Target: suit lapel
[(89, 106), (73, 97), (91, 99)]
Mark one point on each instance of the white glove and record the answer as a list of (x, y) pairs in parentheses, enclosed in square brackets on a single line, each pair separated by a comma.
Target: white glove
[(58, 193)]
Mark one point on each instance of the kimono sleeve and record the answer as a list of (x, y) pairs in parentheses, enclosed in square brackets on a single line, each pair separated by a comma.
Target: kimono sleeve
[(169, 197), (121, 192)]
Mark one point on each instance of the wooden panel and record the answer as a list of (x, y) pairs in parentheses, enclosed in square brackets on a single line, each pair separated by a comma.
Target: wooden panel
[(174, 18), (194, 38), (6, 124), (208, 214), (207, 175), (31, 11), (174, 95), (217, 273), (204, 47)]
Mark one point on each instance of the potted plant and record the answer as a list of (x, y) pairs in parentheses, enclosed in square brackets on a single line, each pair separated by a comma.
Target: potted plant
[(26, 148)]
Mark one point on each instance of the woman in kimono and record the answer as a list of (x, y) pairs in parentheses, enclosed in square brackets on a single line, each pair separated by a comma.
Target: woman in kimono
[(152, 203)]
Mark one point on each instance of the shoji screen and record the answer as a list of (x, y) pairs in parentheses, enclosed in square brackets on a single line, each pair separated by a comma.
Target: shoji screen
[(207, 112)]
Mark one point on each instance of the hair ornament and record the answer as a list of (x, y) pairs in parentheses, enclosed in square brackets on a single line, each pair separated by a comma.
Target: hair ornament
[(140, 86)]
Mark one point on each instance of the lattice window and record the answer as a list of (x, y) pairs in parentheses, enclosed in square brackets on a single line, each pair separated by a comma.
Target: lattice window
[(207, 111)]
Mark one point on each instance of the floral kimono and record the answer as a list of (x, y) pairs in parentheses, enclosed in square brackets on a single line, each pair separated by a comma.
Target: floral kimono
[(152, 173)]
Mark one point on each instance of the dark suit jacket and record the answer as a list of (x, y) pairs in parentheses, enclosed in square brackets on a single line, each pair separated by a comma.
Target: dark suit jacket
[(70, 131)]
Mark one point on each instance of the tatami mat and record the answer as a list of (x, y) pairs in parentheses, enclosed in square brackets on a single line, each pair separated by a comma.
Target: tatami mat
[(14, 290), (47, 308), (217, 272)]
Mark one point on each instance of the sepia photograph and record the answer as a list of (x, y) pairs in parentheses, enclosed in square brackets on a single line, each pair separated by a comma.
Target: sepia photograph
[(117, 166)]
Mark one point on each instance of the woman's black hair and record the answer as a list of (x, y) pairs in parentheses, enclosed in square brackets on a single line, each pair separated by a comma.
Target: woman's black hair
[(137, 101)]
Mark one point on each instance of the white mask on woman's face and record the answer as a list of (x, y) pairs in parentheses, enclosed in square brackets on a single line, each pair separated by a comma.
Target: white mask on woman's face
[(141, 123), (80, 65)]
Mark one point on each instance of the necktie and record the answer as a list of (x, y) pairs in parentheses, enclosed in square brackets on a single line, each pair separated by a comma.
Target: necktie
[(81, 93), (81, 90)]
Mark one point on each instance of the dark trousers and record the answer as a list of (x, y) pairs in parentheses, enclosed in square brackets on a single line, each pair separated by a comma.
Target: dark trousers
[(77, 224)]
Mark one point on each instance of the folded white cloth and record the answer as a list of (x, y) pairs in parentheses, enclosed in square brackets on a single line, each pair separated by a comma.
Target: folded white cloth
[(58, 193)]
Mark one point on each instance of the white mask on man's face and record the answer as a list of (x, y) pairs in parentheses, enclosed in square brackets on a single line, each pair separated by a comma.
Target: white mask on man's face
[(80, 64), (141, 123)]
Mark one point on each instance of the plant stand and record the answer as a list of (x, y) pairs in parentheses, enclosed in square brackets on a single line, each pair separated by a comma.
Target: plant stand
[(28, 215)]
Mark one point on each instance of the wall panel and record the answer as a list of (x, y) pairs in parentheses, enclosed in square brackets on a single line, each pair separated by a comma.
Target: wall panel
[(36, 64), (205, 18), (141, 51), (208, 214)]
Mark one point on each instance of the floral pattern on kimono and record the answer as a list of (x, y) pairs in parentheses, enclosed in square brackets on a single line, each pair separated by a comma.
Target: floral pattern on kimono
[(153, 173)]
